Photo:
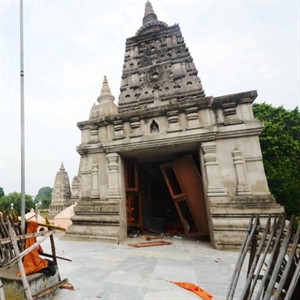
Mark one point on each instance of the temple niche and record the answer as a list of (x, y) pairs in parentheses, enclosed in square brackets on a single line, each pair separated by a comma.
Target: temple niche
[(168, 157), (61, 193)]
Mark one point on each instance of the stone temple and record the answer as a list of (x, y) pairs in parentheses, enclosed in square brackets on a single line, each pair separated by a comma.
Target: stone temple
[(168, 157), (61, 193)]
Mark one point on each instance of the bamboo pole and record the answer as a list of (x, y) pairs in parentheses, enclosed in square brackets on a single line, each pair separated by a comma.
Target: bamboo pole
[(52, 245), (288, 266), (2, 296), (247, 289), (21, 267), (278, 263), (29, 249)]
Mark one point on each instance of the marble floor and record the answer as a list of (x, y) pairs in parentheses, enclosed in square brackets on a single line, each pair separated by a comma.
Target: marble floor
[(111, 271)]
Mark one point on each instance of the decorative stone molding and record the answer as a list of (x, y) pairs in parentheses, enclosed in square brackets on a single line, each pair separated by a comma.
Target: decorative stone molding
[(135, 127), (229, 112), (215, 187), (240, 168), (113, 192), (94, 138), (95, 186), (156, 144), (192, 118), (173, 120), (119, 129)]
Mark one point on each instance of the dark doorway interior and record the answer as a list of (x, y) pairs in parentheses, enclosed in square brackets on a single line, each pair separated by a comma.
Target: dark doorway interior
[(150, 206)]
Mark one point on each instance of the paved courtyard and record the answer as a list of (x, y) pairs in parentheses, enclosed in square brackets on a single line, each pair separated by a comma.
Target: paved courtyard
[(111, 271)]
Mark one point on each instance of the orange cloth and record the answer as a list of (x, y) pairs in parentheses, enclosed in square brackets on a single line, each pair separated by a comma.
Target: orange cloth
[(32, 262), (195, 289)]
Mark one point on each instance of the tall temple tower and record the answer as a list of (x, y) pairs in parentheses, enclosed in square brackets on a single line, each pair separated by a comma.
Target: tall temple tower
[(168, 156), (61, 193)]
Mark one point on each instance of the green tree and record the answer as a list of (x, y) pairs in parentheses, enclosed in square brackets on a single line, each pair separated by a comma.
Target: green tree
[(280, 144), (15, 198), (44, 196), (1, 192)]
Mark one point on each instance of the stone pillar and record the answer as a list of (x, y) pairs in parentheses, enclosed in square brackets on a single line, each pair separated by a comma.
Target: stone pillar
[(118, 126), (240, 168), (95, 186), (94, 138), (113, 192), (192, 118), (173, 120), (215, 187), (135, 127)]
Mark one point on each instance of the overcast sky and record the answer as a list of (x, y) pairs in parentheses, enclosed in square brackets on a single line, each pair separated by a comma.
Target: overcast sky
[(237, 46)]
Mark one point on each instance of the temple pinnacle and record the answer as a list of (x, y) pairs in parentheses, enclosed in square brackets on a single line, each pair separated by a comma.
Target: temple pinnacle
[(149, 15), (62, 168), (105, 95)]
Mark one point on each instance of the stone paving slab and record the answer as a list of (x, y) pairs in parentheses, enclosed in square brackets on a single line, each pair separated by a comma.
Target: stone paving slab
[(110, 271)]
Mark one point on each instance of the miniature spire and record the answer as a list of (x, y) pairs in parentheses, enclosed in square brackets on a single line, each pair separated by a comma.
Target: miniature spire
[(105, 95), (150, 21), (149, 16), (62, 168)]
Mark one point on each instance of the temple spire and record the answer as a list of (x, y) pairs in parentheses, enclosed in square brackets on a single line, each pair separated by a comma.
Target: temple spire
[(149, 16), (62, 168), (150, 21), (105, 95)]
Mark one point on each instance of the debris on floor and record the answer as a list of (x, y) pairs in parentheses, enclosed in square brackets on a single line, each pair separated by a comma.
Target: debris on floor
[(150, 244), (68, 286)]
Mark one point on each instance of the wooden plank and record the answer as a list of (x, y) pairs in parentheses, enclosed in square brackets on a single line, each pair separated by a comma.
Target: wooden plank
[(29, 249), (150, 244), (21, 267), (243, 252), (50, 289), (288, 265), (263, 257), (272, 257), (279, 260), (52, 244), (293, 283), (253, 262), (191, 182), (22, 237)]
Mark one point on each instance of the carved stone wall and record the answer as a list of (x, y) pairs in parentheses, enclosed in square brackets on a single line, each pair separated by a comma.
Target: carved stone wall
[(61, 193), (163, 113)]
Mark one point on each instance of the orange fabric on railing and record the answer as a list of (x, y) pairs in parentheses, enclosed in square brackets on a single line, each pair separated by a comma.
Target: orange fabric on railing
[(195, 289), (32, 262)]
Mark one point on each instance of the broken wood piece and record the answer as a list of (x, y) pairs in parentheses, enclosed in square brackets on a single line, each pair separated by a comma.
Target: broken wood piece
[(149, 238), (150, 244), (50, 289), (68, 286)]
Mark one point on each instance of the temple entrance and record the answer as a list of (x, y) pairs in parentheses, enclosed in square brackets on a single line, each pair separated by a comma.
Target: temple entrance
[(165, 196)]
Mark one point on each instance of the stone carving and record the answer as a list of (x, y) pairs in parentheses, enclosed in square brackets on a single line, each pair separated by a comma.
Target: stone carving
[(215, 187), (113, 192), (242, 186), (160, 61)]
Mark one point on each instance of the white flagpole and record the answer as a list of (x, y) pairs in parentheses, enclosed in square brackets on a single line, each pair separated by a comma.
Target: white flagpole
[(22, 122)]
